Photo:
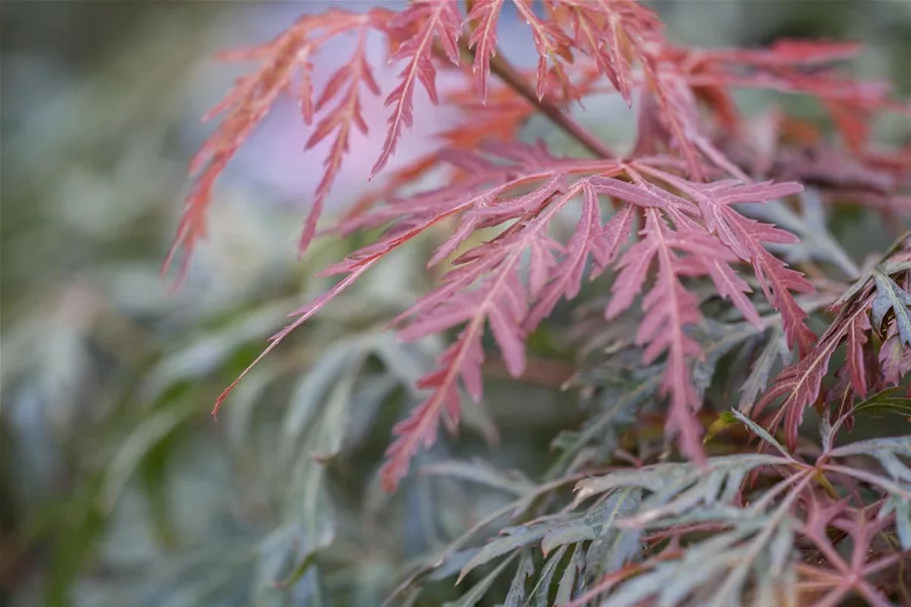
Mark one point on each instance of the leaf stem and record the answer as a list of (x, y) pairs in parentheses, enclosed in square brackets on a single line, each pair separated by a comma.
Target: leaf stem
[(514, 79)]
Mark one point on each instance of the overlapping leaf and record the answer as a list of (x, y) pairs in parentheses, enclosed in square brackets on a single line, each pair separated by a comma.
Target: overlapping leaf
[(286, 65), (862, 309)]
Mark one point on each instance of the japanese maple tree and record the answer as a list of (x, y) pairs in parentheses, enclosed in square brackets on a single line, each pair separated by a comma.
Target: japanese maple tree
[(709, 205)]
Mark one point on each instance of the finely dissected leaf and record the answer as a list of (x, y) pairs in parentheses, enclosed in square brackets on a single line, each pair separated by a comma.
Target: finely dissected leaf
[(745, 239), (610, 546), (801, 383), (755, 547), (892, 455), (565, 278), (514, 538), (345, 83), (691, 230), (489, 285), (678, 488), (254, 95), (596, 523), (819, 525), (618, 411), (856, 339), (453, 558), (435, 22), (847, 574), (615, 546), (669, 309), (716, 571), (551, 43), (601, 30), (484, 14), (498, 305), (816, 243)]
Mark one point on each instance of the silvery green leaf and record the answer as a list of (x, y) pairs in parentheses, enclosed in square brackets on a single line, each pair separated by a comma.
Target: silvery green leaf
[(781, 549), (761, 433), (618, 545), (515, 537), (515, 597), (896, 468), (902, 509), (668, 481), (307, 395), (478, 471), (407, 361), (826, 433), (889, 296), (775, 348), (567, 585), (479, 590), (306, 499), (308, 513), (888, 453), (900, 445), (718, 339), (816, 243), (453, 564), (717, 572), (597, 522), (371, 394), (283, 569), (541, 591), (616, 413)]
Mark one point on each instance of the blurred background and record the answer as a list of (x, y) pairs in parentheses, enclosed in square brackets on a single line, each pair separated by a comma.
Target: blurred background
[(116, 486)]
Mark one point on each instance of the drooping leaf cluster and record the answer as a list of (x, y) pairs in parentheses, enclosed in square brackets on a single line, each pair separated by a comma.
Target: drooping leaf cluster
[(709, 244)]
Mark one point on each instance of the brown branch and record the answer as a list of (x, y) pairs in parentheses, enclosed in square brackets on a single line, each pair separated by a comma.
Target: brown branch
[(505, 71)]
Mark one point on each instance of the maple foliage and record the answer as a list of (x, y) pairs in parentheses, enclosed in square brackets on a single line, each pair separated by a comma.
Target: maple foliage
[(286, 66), (858, 323), (656, 223)]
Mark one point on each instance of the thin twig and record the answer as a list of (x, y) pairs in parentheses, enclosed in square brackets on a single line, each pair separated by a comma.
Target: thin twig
[(505, 71)]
